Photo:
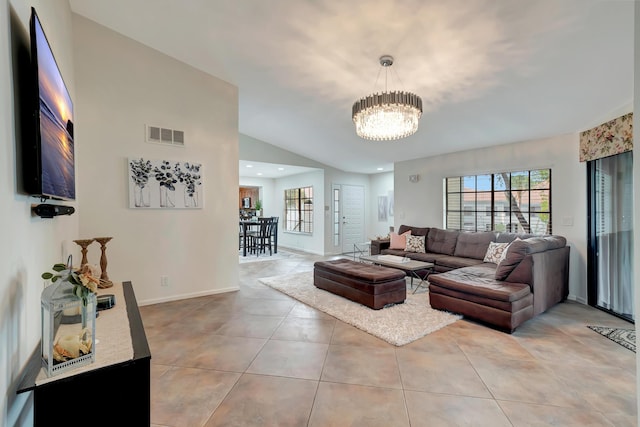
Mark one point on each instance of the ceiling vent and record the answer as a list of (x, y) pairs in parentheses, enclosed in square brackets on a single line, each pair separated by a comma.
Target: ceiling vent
[(160, 135)]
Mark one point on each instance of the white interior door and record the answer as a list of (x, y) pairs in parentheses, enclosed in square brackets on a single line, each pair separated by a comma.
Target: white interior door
[(352, 216)]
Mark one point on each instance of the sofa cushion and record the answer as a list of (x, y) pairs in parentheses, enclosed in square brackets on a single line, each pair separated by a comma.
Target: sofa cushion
[(452, 262), (516, 251), (473, 244), (398, 241), (415, 231), (442, 241), (415, 244)]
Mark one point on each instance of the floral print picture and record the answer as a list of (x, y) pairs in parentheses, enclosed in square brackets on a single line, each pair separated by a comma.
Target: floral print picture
[(164, 184)]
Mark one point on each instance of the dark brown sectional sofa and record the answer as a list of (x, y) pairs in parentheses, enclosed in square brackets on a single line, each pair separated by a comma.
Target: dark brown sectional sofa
[(533, 277)]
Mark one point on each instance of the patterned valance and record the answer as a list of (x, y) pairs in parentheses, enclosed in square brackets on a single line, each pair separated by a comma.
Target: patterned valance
[(612, 137)]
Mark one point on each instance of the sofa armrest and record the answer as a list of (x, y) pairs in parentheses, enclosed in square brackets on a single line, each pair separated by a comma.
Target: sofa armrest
[(378, 245), (550, 278)]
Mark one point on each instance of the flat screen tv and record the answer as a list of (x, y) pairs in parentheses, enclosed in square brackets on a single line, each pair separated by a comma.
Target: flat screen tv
[(48, 157)]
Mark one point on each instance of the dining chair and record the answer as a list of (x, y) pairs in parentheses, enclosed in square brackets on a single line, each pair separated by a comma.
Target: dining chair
[(262, 239)]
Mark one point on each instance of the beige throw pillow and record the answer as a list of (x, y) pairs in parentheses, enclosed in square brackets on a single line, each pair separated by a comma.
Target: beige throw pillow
[(495, 252), (415, 244)]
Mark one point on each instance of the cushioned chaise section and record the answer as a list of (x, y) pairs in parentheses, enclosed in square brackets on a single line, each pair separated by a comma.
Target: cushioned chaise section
[(474, 292), (502, 319), (371, 285)]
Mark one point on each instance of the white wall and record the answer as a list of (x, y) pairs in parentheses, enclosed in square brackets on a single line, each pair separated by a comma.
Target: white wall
[(421, 203), (29, 245), (122, 86), (381, 184)]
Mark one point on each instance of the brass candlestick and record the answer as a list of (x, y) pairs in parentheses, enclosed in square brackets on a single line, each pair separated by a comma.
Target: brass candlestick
[(104, 277), (84, 243)]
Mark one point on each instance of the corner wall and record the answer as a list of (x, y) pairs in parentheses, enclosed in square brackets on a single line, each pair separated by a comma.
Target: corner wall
[(421, 203), (123, 86)]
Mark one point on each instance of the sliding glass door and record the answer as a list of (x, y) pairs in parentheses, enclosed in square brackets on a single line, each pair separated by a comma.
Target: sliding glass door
[(610, 218)]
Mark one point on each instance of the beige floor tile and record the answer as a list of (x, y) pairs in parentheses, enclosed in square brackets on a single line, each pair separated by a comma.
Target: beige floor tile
[(187, 397), (362, 365), (290, 359), (308, 330), (258, 400), (250, 326), (525, 415), (223, 353), (345, 334), (339, 405), (440, 372), (525, 381), (441, 410)]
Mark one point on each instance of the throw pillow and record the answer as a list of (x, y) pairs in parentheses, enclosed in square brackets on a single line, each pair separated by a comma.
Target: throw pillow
[(399, 241), (515, 253), (495, 252), (415, 244)]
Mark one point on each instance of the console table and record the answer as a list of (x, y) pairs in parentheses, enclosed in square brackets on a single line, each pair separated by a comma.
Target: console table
[(113, 394)]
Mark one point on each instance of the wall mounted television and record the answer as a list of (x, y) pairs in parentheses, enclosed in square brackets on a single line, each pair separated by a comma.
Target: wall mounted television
[(48, 163)]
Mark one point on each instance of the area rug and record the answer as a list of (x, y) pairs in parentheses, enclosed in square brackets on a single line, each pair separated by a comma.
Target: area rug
[(624, 337), (397, 324), (281, 255)]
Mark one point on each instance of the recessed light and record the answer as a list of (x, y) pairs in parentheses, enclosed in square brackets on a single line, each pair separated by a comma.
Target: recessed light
[(249, 166), (280, 169), (380, 169), (259, 173)]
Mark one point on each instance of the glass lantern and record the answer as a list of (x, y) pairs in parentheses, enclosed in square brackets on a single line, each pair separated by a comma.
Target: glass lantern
[(68, 328)]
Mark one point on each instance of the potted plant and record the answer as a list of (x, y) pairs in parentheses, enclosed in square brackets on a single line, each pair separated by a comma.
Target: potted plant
[(259, 207)]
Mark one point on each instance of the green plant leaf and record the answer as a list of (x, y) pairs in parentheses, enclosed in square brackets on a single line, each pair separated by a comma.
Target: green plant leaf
[(47, 275), (59, 267)]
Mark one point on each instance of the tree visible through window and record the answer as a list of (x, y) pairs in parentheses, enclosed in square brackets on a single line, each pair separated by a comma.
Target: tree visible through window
[(506, 201), (298, 214)]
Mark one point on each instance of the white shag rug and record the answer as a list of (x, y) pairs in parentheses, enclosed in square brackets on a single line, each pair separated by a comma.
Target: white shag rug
[(398, 324)]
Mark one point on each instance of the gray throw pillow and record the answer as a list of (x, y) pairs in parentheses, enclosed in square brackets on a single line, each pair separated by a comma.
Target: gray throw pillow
[(516, 251)]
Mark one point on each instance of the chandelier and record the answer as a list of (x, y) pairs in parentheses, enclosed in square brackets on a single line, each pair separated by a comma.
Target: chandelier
[(387, 115)]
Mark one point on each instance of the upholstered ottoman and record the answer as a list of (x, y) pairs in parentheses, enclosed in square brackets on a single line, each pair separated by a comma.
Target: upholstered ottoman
[(371, 285)]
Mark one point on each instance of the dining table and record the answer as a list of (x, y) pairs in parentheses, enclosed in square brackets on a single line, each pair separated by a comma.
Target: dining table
[(247, 224)]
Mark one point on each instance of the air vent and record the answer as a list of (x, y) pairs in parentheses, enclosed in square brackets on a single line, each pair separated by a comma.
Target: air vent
[(161, 135)]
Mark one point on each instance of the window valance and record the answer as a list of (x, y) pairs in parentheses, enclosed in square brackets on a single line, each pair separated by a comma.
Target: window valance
[(607, 139)]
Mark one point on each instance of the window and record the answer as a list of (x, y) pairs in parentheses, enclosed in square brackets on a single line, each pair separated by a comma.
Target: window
[(298, 215), (506, 201)]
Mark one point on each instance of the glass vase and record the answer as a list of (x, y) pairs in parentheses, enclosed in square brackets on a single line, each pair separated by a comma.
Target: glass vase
[(142, 196), (68, 328)]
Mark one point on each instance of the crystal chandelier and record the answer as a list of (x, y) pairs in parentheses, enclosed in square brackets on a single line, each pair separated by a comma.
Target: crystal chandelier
[(387, 115)]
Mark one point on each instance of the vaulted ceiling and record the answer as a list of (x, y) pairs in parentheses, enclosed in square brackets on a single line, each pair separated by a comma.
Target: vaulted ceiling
[(488, 71)]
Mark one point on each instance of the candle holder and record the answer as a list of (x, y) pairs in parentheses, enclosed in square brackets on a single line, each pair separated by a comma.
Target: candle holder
[(84, 243), (104, 277)]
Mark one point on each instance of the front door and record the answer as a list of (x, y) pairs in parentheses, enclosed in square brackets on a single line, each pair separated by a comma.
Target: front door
[(350, 218)]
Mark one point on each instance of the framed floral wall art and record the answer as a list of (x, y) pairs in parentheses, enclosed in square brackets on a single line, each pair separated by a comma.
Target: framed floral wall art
[(164, 184)]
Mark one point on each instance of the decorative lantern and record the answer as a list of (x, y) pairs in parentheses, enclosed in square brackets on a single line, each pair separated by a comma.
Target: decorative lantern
[(68, 309)]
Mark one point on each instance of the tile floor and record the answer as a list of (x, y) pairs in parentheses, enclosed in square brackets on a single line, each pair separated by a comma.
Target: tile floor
[(257, 357)]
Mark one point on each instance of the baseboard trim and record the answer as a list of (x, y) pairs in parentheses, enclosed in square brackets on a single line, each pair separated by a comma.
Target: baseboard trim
[(187, 296)]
